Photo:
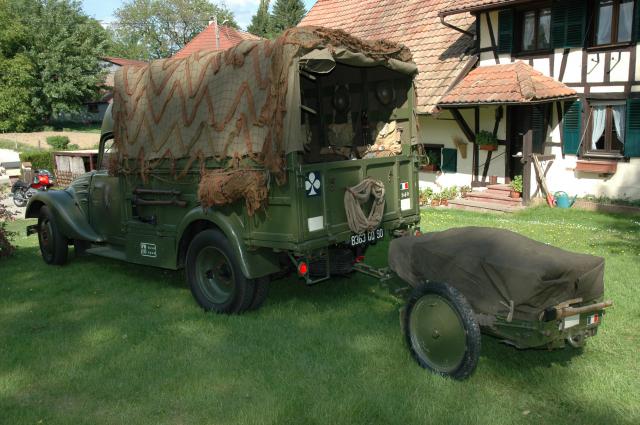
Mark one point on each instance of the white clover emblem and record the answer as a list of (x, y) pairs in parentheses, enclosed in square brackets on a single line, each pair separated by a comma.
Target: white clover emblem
[(312, 185)]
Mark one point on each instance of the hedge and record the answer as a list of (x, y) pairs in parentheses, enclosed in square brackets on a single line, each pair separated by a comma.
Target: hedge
[(39, 160)]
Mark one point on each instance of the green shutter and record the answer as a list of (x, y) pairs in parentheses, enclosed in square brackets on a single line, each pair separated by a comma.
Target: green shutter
[(571, 127), (568, 23), (450, 160), (539, 128), (505, 31), (632, 135), (636, 21)]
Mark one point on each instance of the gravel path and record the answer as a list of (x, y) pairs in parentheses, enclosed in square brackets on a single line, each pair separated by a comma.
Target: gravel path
[(6, 200)]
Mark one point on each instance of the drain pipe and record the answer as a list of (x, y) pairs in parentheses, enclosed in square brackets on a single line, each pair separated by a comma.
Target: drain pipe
[(453, 27)]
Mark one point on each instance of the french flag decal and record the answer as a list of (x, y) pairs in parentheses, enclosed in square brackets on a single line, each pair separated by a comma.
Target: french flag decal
[(404, 186)]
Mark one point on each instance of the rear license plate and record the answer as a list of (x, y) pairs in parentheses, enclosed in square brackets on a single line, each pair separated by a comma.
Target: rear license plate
[(571, 321), (366, 238)]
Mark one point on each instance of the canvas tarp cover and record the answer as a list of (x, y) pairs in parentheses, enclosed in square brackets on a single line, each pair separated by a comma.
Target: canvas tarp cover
[(242, 102), (494, 267)]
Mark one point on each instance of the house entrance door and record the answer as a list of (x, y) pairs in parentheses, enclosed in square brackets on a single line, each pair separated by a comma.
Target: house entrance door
[(520, 119)]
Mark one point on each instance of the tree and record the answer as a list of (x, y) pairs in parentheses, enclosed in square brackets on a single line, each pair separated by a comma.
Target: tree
[(49, 60), (261, 21), (159, 28), (287, 14)]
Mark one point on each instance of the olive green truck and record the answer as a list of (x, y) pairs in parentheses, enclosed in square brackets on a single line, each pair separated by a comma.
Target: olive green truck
[(236, 166)]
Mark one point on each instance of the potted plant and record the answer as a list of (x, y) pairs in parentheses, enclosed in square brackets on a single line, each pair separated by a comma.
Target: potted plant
[(430, 162), (487, 141), (436, 200), (464, 190), (425, 196), (516, 187)]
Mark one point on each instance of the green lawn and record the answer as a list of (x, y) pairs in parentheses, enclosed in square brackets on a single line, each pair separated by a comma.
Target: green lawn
[(102, 342)]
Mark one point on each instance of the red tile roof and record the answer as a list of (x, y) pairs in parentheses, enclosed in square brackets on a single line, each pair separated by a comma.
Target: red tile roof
[(206, 40), (472, 5), (512, 83), (441, 53), (123, 62)]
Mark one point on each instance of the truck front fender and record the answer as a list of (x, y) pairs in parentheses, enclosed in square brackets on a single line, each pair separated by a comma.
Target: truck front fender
[(69, 217), (254, 263)]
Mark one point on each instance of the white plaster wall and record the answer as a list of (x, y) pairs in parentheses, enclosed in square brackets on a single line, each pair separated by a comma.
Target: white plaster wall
[(440, 129), (542, 65), (573, 70), (625, 183), (619, 66), (595, 67)]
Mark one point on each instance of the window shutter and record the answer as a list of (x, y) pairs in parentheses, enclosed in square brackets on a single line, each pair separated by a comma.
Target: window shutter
[(571, 127), (568, 23), (636, 20), (505, 31), (450, 160), (632, 135), (539, 128)]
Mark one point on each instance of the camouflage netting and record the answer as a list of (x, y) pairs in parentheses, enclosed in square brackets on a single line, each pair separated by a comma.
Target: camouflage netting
[(231, 104)]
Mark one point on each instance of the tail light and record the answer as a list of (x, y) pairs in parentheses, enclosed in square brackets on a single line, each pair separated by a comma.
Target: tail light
[(303, 269), (43, 179)]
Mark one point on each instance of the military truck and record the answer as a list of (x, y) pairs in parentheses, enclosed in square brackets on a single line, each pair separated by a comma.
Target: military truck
[(238, 166)]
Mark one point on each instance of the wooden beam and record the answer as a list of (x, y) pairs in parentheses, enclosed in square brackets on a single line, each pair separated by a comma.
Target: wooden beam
[(527, 148), (457, 116)]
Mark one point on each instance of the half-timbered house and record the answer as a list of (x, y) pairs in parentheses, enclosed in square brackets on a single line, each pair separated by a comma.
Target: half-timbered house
[(558, 79)]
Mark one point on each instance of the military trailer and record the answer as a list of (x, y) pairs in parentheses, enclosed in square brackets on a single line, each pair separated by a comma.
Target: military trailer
[(295, 155)]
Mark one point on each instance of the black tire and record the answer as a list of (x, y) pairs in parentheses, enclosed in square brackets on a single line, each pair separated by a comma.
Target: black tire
[(20, 197), (214, 275), (444, 332), (261, 293), (53, 244)]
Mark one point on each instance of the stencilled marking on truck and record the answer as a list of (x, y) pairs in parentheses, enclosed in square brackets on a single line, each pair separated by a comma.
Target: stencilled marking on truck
[(312, 185), (315, 223), (405, 204), (148, 250)]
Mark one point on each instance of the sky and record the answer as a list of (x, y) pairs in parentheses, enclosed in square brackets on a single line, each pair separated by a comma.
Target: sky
[(103, 10)]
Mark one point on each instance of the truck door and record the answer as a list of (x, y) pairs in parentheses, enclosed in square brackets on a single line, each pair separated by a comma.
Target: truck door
[(106, 201)]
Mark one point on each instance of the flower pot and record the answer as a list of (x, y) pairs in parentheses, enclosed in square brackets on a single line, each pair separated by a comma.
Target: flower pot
[(435, 202), (444, 202), (488, 147), (514, 194)]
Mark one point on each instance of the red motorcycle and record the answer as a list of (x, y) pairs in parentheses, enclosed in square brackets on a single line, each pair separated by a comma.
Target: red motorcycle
[(22, 191)]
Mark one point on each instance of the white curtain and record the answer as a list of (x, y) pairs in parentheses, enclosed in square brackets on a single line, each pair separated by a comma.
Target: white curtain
[(599, 121), (619, 116)]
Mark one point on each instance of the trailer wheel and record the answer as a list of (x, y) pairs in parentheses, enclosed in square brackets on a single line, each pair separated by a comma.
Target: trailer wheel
[(441, 330), (53, 244), (214, 275)]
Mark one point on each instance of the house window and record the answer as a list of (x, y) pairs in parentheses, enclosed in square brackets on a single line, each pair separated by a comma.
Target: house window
[(536, 29), (608, 128), (614, 21)]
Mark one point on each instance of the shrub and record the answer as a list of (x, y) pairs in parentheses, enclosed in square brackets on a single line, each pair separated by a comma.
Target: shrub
[(58, 142), (73, 147), (40, 160), (6, 247)]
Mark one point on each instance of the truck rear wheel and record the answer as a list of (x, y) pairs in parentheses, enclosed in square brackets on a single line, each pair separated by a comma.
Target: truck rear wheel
[(442, 331), (214, 275), (53, 245)]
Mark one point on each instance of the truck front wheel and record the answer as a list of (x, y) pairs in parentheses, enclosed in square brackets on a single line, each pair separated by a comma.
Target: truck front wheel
[(53, 244), (214, 275)]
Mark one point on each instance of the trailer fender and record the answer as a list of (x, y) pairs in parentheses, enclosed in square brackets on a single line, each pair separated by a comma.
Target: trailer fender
[(254, 263), (71, 220)]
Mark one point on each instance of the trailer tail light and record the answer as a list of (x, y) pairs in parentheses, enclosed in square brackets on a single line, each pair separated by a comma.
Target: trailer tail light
[(303, 269), (360, 259)]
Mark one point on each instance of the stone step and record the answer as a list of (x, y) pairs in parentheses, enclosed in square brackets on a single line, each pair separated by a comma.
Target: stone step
[(492, 197), (500, 187), (480, 206)]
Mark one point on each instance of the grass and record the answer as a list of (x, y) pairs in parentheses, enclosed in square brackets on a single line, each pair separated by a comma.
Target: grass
[(92, 127), (17, 146), (101, 342)]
